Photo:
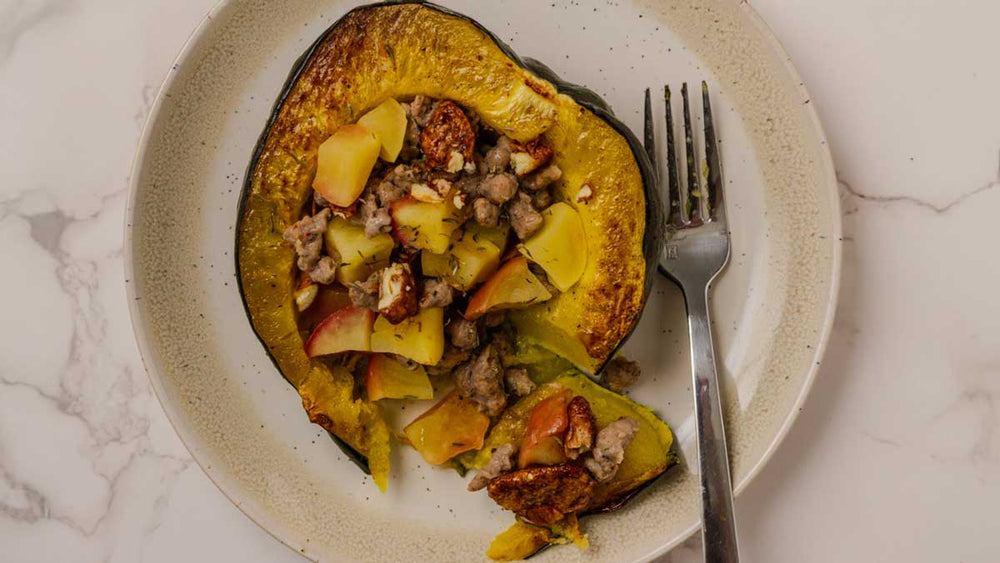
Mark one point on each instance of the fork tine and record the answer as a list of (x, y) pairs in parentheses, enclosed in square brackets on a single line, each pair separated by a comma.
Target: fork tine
[(713, 187), (648, 136), (694, 185), (674, 215)]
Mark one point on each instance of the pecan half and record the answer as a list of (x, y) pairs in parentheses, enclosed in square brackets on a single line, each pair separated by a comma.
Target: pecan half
[(581, 430), (544, 494), (397, 293), (448, 130)]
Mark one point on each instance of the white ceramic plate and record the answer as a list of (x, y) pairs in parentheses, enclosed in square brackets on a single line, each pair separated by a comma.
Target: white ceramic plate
[(773, 307)]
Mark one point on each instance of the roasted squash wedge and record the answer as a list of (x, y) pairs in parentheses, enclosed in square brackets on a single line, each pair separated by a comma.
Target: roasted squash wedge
[(646, 458), (399, 50)]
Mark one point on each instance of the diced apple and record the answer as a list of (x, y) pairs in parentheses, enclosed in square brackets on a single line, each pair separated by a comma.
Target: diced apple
[(547, 450), (451, 427), (419, 338), (389, 379), (512, 286), (497, 235), (436, 265), (329, 298), (560, 246), (344, 162), (388, 122), (345, 330), (359, 255), (474, 262), (470, 260), (546, 425), (427, 226)]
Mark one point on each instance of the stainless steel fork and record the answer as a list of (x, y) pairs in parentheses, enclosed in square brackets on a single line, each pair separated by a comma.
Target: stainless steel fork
[(695, 251)]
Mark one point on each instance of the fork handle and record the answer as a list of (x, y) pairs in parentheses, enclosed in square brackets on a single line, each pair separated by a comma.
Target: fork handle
[(718, 518)]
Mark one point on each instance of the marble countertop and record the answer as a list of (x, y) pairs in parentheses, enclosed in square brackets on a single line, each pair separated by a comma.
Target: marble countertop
[(895, 457)]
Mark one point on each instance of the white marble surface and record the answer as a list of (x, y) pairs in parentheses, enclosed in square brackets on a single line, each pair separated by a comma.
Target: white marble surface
[(896, 456)]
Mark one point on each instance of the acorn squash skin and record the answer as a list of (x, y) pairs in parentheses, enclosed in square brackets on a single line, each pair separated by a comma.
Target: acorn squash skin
[(401, 49)]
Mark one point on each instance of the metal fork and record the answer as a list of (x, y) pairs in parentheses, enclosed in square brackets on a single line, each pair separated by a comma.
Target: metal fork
[(695, 251)]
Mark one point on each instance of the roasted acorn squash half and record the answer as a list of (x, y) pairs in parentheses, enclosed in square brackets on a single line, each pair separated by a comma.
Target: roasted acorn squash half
[(399, 50)]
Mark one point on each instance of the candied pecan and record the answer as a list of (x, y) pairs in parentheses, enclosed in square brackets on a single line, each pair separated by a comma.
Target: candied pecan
[(530, 156), (543, 494), (580, 433), (397, 293), (448, 130)]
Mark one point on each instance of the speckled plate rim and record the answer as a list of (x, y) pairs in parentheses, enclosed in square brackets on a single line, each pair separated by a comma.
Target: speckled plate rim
[(831, 308), (144, 345)]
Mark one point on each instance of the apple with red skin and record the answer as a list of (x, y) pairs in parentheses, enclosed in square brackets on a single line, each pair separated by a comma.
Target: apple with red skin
[(547, 422), (329, 299), (512, 286), (345, 330)]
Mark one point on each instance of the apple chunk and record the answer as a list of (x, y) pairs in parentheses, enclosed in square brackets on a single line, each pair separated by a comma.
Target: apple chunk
[(419, 338), (388, 122), (497, 235), (329, 299), (546, 425), (423, 225), (359, 255), (560, 246), (449, 428), (345, 330), (467, 264), (475, 261), (344, 162), (389, 379), (436, 265), (512, 286)]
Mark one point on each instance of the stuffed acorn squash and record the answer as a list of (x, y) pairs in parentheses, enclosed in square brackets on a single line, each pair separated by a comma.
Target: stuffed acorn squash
[(423, 205)]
